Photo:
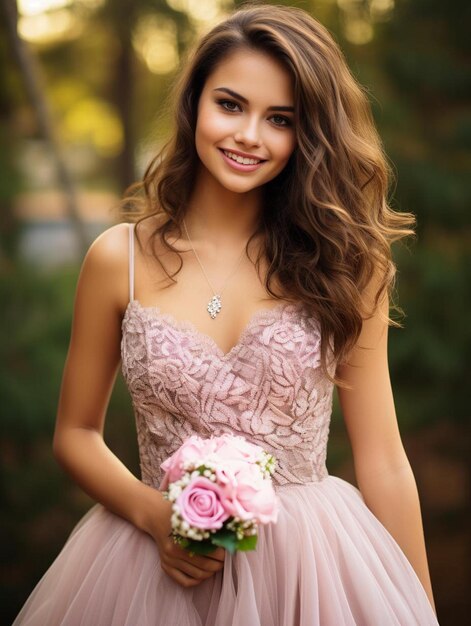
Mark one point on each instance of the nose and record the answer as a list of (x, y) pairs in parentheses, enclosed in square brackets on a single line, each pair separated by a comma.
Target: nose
[(248, 133)]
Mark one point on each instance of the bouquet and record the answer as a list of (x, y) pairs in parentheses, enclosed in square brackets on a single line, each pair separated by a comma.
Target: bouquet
[(221, 490)]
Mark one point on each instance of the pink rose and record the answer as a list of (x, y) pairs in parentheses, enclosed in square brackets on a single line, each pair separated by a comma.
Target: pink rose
[(253, 496), (230, 446), (192, 449), (226, 475), (201, 504)]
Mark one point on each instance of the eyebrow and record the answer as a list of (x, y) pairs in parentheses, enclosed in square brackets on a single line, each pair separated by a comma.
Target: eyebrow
[(245, 101)]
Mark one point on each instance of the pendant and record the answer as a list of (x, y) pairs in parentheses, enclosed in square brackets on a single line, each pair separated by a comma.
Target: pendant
[(214, 306)]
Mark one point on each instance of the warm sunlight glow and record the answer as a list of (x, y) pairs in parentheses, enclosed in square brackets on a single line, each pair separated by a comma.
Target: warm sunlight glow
[(36, 7), (155, 40), (359, 17), (381, 9), (44, 28), (91, 120), (202, 10), (358, 31), (52, 21)]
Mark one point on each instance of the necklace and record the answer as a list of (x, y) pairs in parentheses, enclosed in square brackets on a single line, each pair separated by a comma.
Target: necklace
[(215, 304)]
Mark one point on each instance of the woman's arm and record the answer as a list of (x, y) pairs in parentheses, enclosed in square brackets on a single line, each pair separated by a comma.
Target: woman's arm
[(382, 469), (89, 374)]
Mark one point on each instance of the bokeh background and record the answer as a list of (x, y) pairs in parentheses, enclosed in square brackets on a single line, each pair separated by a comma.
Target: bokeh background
[(82, 95)]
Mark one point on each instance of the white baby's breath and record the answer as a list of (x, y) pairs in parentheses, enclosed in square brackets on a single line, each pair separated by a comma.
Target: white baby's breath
[(206, 467)]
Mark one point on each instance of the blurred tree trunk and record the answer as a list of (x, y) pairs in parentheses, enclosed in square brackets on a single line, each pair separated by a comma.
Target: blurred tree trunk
[(32, 80), (123, 90), (9, 176), (123, 14)]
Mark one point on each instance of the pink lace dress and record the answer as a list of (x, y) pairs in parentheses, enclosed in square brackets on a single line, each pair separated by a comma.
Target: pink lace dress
[(328, 561)]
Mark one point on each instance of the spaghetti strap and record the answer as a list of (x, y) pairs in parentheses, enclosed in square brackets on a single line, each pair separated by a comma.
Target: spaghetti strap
[(131, 262)]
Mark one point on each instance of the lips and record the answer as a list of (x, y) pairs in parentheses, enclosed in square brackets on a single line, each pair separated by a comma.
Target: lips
[(241, 167), (241, 155)]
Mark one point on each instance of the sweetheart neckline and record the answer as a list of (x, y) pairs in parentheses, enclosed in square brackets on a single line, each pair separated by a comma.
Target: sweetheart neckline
[(188, 326)]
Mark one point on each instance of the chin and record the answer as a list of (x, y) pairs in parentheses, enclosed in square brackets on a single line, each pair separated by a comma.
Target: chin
[(242, 187)]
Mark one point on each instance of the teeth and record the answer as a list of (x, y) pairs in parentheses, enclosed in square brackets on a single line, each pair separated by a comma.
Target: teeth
[(239, 159)]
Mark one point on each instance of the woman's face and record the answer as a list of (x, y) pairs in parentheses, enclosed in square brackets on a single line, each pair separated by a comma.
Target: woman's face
[(245, 112)]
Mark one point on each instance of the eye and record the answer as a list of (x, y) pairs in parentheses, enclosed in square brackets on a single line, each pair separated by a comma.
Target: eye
[(282, 120), (231, 107), (231, 104)]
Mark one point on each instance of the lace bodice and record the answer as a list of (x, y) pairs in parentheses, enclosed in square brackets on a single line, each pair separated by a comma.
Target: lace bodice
[(269, 387)]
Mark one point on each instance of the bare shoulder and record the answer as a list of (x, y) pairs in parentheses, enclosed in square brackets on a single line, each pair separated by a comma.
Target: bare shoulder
[(110, 245), (106, 263), (105, 266)]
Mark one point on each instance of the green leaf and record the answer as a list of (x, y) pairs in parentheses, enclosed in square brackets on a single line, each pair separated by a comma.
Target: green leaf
[(199, 547), (247, 543), (227, 539)]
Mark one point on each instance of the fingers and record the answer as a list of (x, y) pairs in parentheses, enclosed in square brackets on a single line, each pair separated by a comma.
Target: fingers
[(205, 562), (179, 577), (189, 570), (200, 562), (218, 554), (185, 573)]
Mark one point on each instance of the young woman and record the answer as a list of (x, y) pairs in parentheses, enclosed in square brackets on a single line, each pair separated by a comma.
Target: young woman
[(252, 280)]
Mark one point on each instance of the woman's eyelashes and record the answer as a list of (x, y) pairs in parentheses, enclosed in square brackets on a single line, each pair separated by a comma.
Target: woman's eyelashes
[(283, 121)]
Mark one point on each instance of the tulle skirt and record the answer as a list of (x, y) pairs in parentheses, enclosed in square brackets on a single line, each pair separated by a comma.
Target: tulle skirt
[(328, 561)]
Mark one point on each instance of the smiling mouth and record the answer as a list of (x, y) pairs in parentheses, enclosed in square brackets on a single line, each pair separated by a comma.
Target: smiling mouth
[(241, 160)]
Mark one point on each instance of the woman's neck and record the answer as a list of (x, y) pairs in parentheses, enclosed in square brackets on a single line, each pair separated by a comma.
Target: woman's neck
[(220, 218)]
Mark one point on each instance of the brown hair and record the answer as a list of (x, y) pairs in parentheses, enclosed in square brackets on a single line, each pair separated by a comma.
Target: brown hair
[(327, 224)]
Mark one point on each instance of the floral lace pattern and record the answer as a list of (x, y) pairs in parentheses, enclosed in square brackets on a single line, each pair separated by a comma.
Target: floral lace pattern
[(269, 388)]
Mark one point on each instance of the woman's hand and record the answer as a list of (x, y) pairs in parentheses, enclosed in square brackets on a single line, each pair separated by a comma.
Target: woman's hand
[(176, 561)]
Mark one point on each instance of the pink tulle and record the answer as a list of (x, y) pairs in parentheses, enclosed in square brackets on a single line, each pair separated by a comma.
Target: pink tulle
[(327, 562)]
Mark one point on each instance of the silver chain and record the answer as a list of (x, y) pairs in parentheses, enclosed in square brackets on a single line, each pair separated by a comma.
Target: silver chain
[(214, 305)]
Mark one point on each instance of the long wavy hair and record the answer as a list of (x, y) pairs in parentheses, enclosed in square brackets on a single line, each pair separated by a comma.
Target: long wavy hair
[(326, 221)]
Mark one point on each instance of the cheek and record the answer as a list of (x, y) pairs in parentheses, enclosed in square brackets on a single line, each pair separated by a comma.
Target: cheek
[(212, 126), (284, 145)]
